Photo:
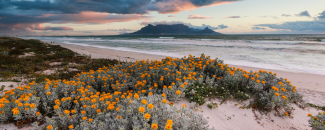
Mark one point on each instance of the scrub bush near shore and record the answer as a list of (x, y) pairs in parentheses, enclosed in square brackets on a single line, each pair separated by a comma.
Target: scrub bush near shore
[(317, 122), (141, 95)]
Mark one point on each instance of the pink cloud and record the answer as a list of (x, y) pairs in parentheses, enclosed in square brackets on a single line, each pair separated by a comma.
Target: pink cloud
[(175, 6), (96, 17), (171, 16), (196, 16)]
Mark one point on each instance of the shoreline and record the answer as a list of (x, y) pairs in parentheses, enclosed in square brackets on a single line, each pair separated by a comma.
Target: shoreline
[(308, 81)]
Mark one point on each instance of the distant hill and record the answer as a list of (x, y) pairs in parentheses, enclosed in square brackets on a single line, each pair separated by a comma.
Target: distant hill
[(176, 29)]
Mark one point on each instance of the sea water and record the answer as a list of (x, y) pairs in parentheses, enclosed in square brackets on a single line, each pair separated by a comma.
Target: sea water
[(295, 53)]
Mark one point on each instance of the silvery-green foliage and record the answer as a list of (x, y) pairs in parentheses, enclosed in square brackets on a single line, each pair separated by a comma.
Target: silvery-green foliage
[(317, 122)]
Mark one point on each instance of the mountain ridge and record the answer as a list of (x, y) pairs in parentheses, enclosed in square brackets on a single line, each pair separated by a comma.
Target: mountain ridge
[(175, 29)]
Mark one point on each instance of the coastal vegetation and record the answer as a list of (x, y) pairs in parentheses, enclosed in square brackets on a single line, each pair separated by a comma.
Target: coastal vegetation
[(28, 59), (141, 95)]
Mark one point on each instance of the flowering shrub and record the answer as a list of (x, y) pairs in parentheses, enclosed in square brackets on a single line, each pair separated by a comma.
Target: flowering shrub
[(140, 95), (318, 121)]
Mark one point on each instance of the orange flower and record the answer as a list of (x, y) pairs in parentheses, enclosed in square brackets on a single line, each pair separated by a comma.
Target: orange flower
[(309, 114), (168, 127), (277, 94), (164, 101), (49, 127), (141, 109), (147, 116), (144, 102), (84, 118), (154, 126), (178, 92), (184, 106), (284, 97), (171, 103), (118, 117), (150, 106), (83, 112), (71, 127), (163, 95)]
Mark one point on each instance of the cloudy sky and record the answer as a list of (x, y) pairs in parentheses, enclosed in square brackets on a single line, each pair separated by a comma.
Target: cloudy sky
[(111, 17)]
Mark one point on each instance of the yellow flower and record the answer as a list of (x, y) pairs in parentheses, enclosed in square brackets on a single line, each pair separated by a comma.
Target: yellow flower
[(141, 109), (147, 116), (178, 92), (71, 127), (154, 126), (144, 102), (49, 127)]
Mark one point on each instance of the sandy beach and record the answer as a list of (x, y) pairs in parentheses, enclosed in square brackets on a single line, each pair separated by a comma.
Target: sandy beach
[(311, 86)]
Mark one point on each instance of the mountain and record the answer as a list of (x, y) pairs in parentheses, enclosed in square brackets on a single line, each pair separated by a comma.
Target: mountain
[(207, 31), (176, 29)]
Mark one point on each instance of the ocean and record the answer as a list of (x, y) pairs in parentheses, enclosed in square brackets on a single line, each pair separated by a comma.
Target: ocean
[(293, 53)]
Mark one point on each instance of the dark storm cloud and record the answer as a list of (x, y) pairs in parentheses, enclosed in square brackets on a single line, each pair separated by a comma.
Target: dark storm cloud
[(112, 6)]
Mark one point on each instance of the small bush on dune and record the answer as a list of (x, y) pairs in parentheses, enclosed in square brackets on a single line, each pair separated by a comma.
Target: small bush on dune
[(121, 95), (317, 122)]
